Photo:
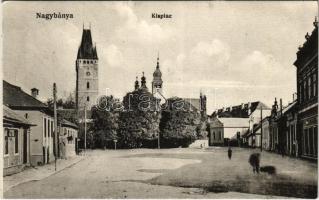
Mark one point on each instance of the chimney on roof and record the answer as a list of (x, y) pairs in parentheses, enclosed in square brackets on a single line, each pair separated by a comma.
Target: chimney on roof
[(34, 92)]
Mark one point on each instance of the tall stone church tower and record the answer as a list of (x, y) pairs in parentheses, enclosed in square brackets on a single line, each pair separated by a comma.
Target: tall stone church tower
[(157, 83), (87, 81)]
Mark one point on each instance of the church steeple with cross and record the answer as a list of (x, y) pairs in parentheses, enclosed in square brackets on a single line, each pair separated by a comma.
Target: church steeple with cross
[(157, 82)]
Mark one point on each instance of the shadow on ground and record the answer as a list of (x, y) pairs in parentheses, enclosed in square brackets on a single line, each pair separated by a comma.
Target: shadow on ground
[(217, 174)]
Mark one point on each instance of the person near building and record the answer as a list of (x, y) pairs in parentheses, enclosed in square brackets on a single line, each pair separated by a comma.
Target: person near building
[(230, 153)]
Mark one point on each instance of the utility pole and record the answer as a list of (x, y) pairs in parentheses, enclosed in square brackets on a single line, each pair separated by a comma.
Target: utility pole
[(158, 141), (261, 128), (55, 126)]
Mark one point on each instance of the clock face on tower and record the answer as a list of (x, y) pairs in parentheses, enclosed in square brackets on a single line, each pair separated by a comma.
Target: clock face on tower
[(88, 73)]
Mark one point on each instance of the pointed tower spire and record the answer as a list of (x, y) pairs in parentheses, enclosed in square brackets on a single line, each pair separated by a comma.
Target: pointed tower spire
[(157, 66), (86, 49), (157, 78)]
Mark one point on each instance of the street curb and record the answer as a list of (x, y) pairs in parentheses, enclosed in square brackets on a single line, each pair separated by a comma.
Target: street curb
[(7, 189), (64, 168)]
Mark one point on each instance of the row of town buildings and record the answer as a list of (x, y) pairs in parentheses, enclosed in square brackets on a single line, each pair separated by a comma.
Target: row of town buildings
[(29, 123), (290, 129), (28, 131)]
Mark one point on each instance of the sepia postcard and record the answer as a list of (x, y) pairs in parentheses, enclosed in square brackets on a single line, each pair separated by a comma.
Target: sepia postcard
[(159, 100)]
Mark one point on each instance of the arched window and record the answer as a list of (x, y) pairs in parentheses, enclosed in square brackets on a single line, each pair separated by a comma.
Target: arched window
[(88, 98), (88, 85), (84, 62)]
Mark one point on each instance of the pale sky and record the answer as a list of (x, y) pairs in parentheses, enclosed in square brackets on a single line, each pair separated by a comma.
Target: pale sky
[(234, 52)]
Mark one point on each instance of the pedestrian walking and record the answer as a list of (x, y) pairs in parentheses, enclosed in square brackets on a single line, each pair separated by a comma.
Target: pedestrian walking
[(282, 150), (229, 153), (254, 161)]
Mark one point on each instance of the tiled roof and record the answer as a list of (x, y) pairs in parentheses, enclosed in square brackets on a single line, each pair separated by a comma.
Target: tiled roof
[(289, 107), (12, 116), (176, 103), (235, 122), (239, 111), (86, 49), (15, 97), (69, 124), (194, 102)]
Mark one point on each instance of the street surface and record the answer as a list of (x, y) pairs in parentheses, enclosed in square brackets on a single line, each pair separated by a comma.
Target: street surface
[(173, 173)]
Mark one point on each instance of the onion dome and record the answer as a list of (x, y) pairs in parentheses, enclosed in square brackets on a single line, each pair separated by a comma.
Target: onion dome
[(157, 72)]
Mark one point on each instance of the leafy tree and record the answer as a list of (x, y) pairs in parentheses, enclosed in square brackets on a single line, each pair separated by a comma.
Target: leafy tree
[(68, 103), (179, 123), (139, 121), (105, 122)]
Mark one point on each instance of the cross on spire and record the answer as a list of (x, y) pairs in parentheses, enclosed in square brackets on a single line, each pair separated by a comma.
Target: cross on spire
[(157, 66), (143, 81), (136, 86)]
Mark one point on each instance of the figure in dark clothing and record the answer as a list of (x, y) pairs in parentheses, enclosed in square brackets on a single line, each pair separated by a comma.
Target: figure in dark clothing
[(282, 150), (229, 153), (254, 161)]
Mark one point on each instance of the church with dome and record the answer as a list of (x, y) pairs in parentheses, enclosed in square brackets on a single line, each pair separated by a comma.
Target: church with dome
[(157, 83), (199, 104)]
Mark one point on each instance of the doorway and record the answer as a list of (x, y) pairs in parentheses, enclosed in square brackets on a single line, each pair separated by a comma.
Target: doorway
[(25, 146)]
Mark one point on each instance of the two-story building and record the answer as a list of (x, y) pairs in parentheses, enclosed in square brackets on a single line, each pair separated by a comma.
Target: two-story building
[(307, 90), (244, 117)]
